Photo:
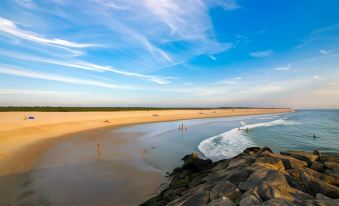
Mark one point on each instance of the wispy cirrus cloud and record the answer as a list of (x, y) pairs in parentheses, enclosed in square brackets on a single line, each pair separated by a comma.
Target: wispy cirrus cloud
[(52, 77), (35, 92), (90, 66), (11, 28), (284, 68), (171, 32), (259, 54), (325, 52)]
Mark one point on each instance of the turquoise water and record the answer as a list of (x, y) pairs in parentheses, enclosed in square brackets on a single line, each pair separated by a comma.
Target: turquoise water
[(221, 138)]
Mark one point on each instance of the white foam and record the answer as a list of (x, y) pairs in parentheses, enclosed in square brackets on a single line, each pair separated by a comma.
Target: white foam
[(234, 141)]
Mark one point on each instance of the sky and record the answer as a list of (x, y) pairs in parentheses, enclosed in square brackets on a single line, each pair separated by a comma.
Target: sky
[(194, 53)]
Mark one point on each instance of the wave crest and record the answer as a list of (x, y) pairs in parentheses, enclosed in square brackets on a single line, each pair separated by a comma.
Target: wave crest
[(234, 141)]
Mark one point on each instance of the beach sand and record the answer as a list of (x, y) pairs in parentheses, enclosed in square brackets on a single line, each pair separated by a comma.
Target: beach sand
[(22, 143)]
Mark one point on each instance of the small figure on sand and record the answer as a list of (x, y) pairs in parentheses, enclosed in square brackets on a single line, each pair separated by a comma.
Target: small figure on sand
[(98, 148), (182, 127)]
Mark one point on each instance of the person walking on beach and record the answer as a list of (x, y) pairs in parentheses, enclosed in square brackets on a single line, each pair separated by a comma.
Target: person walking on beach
[(98, 148)]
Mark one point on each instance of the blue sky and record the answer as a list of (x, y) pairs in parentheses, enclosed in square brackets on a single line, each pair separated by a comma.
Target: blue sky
[(170, 53)]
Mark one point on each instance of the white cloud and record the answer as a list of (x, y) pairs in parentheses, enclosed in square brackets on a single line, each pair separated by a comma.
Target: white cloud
[(52, 77), (212, 57), (259, 54), (227, 4), (324, 52), (10, 27), (232, 81), (34, 92), (171, 31), (333, 83), (91, 67), (316, 77), (287, 68)]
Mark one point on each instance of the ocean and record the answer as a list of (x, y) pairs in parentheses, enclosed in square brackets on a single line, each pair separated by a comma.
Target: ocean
[(226, 137)]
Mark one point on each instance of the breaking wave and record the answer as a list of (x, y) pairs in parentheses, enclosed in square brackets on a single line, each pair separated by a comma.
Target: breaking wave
[(234, 141)]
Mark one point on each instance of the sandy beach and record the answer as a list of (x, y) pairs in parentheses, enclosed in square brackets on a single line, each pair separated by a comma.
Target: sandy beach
[(22, 142)]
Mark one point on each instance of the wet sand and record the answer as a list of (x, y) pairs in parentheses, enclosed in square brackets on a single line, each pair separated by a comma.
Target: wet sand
[(23, 142)]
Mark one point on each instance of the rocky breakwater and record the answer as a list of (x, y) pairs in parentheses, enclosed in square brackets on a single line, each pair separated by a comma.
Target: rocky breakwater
[(255, 177)]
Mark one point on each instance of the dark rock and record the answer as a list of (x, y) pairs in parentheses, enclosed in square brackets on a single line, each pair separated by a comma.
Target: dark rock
[(264, 178), (265, 149), (237, 175), (270, 162), (331, 165), (314, 185), (323, 177), (292, 182), (268, 191), (251, 150), (194, 164), (263, 175), (329, 157), (290, 162), (316, 152), (223, 201), (249, 198), (155, 201), (301, 155), (320, 200), (278, 202), (295, 173), (240, 162), (198, 199), (317, 166), (225, 189)]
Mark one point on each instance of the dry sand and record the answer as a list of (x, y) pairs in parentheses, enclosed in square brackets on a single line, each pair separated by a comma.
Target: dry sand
[(23, 141)]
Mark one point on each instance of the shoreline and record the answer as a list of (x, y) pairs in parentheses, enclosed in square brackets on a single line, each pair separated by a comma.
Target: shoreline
[(43, 137)]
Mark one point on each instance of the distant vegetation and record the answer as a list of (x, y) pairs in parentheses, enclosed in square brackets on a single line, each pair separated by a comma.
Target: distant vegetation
[(103, 109)]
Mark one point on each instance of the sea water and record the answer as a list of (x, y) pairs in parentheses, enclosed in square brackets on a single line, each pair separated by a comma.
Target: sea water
[(226, 137)]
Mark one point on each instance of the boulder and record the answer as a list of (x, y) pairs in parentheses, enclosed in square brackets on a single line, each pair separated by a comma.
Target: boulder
[(314, 185), (292, 182), (320, 200), (265, 149), (331, 165), (225, 189), (251, 150), (323, 177), (262, 175), (295, 173), (240, 162), (238, 175), (266, 191), (316, 152), (278, 202), (317, 166), (290, 162), (194, 164), (301, 155), (249, 198), (270, 162), (223, 201), (197, 199)]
